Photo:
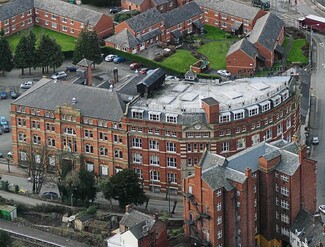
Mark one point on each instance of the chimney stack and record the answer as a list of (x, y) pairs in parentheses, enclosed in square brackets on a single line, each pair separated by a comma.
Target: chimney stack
[(128, 208), (316, 219), (248, 172)]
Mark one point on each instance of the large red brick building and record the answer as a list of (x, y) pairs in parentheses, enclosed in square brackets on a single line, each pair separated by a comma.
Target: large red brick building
[(251, 198), (158, 129), (62, 17)]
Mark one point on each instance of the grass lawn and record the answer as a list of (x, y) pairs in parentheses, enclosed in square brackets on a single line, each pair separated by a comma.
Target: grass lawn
[(214, 33), (216, 53), (66, 42), (296, 54), (180, 61)]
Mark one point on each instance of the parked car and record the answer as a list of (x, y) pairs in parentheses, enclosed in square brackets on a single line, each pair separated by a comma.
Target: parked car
[(6, 128), (119, 60), (59, 75), (224, 73), (315, 140), (14, 95), (3, 120), (135, 66), (143, 71), (110, 58), (10, 154), (50, 195), (71, 68), (3, 95), (26, 85), (38, 179), (115, 10)]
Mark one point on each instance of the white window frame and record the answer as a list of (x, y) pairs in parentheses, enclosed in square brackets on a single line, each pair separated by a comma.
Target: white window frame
[(224, 117), (253, 110), (137, 113), (239, 114), (154, 116)]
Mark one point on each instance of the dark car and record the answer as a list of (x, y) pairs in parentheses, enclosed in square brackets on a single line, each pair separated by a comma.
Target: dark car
[(6, 128), (3, 95), (14, 95), (50, 195), (115, 10), (71, 68), (119, 60)]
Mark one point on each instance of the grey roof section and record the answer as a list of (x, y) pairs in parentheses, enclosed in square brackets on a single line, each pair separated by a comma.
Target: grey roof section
[(135, 217), (181, 14), (289, 163), (266, 31), (68, 10), (216, 178), (305, 228), (272, 155), (14, 7), (149, 35), (160, 2), (151, 78), (138, 230), (232, 8), (209, 160), (245, 46), (129, 88), (210, 101), (145, 20), (305, 91), (124, 39), (85, 62), (136, 2), (91, 101)]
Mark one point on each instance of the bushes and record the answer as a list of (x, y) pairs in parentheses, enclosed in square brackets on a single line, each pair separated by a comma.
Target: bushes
[(120, 17)]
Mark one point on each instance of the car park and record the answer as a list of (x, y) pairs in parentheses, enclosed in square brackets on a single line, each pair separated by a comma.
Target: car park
[(119, 60), (3, 95), (135, 66), (110, 57), (13, 95), (143, 71), (315, 140), (26, 85), (59, 75), (50, 195), (224, 73), (71, 68)]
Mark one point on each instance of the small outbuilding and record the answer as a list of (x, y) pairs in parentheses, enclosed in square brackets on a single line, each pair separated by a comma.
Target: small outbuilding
[(8, 212)]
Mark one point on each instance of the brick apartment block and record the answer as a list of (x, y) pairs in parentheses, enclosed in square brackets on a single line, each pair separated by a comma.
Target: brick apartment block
[(58, 16), (158, 129), (251, 198)]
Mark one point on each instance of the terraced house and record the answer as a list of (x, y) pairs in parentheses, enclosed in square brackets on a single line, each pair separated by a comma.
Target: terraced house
[(151, 27), (158, 129), (252, 198), (63, 17)]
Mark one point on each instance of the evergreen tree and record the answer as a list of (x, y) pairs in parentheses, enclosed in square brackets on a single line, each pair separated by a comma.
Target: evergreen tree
[(6, 61), (58, 56), (125, 188), (87, 47), (31, 57)]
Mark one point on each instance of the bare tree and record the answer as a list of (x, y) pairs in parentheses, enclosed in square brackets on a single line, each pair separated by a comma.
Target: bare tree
[(37, 161)]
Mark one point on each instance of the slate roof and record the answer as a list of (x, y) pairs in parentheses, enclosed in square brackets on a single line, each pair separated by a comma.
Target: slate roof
[(85, 62), (245, 46), (160, 2), (266, 31), (137, 230), (304, 228), (136, 2), (135, 217), (181, 14), (230, 7), (68, 10), (145, 19), (14, 7), (124, 39), (218, 172), (91, 101)]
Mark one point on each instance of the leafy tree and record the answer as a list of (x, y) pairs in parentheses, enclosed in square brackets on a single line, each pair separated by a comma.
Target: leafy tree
[(125, 188), (87, 47), (120, 17), (49, 54), (5, 240), (26, 56), (6, 61)]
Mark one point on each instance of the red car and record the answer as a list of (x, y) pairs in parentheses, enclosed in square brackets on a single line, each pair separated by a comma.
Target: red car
[(144, 71), (135, 66)]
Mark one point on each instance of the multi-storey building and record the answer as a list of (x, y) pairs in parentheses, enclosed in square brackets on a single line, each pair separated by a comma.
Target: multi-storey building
[(231, 16), (141, 31), (143, 5), (64, 17), (251, 198), (158, 129)]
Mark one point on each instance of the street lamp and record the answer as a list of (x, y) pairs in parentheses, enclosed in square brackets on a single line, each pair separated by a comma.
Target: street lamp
[(311, 45)]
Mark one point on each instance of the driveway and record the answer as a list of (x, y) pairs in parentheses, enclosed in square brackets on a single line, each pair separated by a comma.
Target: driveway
[(151, 52)]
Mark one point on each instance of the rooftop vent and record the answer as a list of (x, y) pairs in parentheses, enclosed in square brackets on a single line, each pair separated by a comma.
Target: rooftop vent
[(74, 101)]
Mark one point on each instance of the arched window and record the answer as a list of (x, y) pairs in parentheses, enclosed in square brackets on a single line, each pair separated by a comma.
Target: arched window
[(89, 148), (118, 153), (103, 151), (36, 139), (50, 142), (22, 137)]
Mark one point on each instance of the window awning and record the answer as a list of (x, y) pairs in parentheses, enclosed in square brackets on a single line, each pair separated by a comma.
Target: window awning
[(137, 110), (238, 111), (276, 97), (285, 92), (253, 107), (171, 115), (154, 112), (198, 24), (264, 103), (236, 25), (222, 114)]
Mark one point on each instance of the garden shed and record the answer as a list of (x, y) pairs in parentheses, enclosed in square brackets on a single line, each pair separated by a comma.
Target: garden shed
[(8, 212)]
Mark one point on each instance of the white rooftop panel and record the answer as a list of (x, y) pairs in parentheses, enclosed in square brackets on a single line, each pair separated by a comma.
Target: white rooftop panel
[(264, 103), (232, 94), (260, 86), (180, 88), (189, 96), (166, 99)]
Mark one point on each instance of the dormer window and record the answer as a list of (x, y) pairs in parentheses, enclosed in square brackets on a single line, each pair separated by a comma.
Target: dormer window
[(154, 116), (239, 114), (285, 95), (265, 106), (171, 118), (252, 110), (224, 117), (137, 113), (276, 100)]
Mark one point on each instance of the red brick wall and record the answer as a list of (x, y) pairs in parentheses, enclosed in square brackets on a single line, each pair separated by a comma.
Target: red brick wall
[(104, 27), (17, 23), (240, 63), (125, 4)]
